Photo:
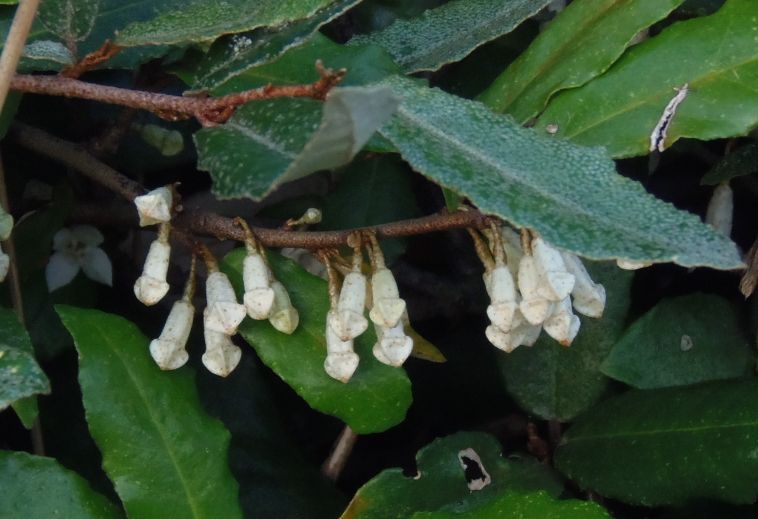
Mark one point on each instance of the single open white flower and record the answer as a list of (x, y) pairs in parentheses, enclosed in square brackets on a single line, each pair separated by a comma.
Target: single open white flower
[(387, 307), (587, 296), (284, 317), (221, 355), (349, 322), (223, 313), (155, 206), (721, 209), (562, 325), (555, 281), (256, 277), (169, 350), (152, 286), (341, 361), (77, 248)]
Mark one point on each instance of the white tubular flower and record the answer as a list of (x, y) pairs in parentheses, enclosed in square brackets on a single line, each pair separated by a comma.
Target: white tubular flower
[(631, 264), (556, 283), (393, 346), (151, 286), (512, 245), (284, 317), (387, 307), (721, 209), (221, 355), (5, 263), (502, 291), (155, 206), (562, 325), (259, 296), (341, 361), (349, 322), (169, 350), (77, 248), (223, 313), (588, 296), (521, 334), (534, 307)]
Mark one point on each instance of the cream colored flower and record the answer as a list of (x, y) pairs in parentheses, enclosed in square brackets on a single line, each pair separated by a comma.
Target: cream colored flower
[(155, 206), (284, 317), (349, 322), (223, 313), (221, 355), (152, 286), (169, 350), (341, 361)]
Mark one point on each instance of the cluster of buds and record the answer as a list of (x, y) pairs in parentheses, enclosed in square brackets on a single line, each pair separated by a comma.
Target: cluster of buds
[(6, 226), (533, 286), (345, 320)]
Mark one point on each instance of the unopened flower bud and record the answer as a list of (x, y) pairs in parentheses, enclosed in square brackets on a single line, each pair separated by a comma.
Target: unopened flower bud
[(167, 142), (223, 314), (221, 355), (155, 206), (555, 281), (349, 322), (151, 286), (341, 361), (534, 307), (721, 208), (311, 216), (393, 346), (284, 317), (588, 297), (387, 307), (562, 325), (259, 296), (169, 350)]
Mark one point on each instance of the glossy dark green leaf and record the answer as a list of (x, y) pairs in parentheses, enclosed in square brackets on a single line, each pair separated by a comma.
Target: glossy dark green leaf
[(207, 20), (715, 55), (582, 42), (570, 194), (683, 340), (268, 143), (33, 486), (20, 375), (442, 482), (668, 446), (742, 161), (160, 448), (233, 55), (450, 32), (375, 399), (558, 383)]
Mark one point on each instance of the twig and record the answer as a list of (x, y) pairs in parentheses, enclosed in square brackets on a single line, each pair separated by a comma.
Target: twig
[(211, 224), (332, 467), (91, 60), (14, 44), (207, 110)]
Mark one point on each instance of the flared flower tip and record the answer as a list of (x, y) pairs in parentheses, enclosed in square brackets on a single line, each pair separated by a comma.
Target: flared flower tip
[(284, 317), (259, 302), (502, 340), (556, 282), (501, 314), (221, 355), (168, 354), (393, 351), (341, 366), (223, 314), (155, 206), (563, 325), (150, 290)]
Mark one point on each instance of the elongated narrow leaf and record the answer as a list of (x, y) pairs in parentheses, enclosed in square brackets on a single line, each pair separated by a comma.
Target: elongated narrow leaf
[(375, 399), (20, 375), (558, 383), (570, 194), (450, 32), (208, 19), (231, 56), (33, 486), (463, 473), (160, 449), (582, 42), (715, 55), (668, 446), (681, 341), (742, 161), (70, 20), (268, 143)]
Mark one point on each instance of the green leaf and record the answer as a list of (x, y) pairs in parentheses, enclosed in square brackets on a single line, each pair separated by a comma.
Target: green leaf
[(268, 143), (683, 340), (570, 194), (742, 161), (375, 399), (441, 480), (582, 42), (450, 32), (70, 20), (207, 20), (558, 383), (233, 55), (20, 375), (33, 486), (159, 447), (668, 446), (715, 55)]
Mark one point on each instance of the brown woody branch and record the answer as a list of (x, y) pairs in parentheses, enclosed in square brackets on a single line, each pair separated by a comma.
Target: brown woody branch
[(211, 224), (207, 110)]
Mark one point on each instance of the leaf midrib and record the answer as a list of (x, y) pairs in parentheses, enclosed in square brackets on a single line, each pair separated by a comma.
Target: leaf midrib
[(653, 432)]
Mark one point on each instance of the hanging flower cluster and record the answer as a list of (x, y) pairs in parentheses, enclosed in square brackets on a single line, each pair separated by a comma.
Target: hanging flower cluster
[(345, 320), (533, 286), (6, 226)]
